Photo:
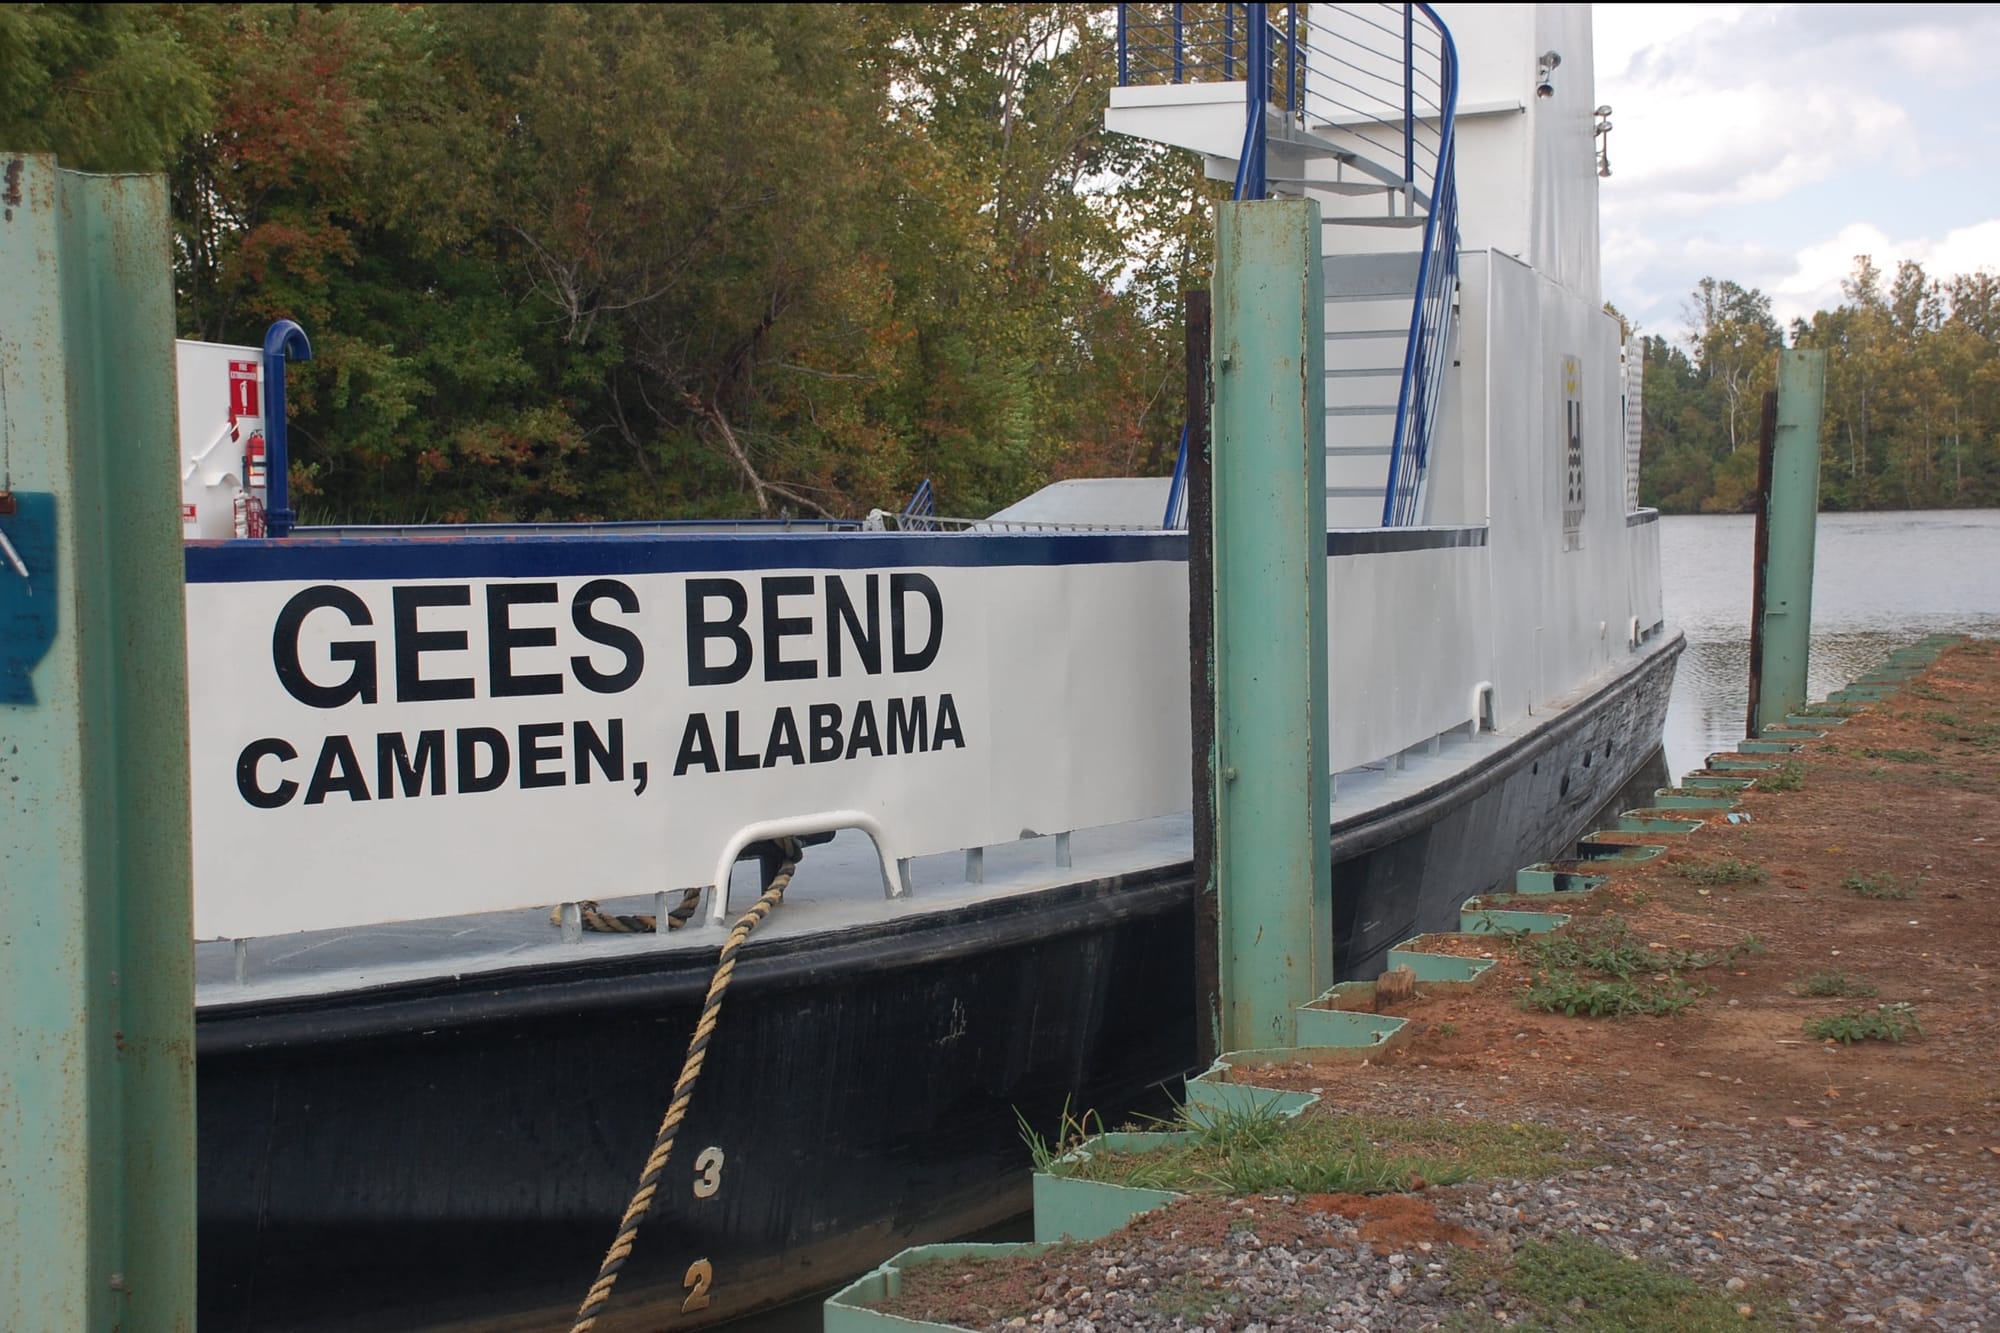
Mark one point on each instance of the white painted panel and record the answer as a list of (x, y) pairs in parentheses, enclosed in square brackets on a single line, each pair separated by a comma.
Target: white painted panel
[(1455, 489), (1068, 683), (1644, 575), (1407, 642)]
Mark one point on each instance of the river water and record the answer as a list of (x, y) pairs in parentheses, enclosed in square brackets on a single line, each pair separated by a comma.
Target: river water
[(1879, 580)]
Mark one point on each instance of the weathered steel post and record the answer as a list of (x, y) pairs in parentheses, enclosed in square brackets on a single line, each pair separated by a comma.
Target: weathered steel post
[(96, 966), (1273, 870), (1198, 479), (1781, 619)]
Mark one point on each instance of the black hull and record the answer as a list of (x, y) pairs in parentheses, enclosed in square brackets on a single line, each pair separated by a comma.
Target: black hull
[(453, 1154)]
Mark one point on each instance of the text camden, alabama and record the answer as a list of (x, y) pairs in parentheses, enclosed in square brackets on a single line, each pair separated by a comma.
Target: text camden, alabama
[(332, 649)]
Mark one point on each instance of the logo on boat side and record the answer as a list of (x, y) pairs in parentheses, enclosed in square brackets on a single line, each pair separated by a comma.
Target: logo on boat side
[(1572, 445)]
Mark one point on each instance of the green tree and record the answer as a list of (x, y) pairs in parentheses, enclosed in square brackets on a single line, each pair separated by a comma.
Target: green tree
[(104, 87)]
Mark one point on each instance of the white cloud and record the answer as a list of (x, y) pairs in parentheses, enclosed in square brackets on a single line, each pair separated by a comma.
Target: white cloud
[(1686, 147), (1771, 144), (1725, 104), (1814, 281), (1622, 32)]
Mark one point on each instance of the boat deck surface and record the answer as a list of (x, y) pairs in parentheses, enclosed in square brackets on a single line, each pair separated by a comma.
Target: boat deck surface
[(838, 887)]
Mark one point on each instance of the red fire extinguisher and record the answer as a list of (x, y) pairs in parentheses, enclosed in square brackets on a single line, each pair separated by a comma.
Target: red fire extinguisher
[(256, 474)]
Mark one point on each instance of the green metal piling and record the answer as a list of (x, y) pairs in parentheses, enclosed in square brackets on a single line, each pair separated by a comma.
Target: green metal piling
[(1781, 620), (1273, 861), (96, 965)]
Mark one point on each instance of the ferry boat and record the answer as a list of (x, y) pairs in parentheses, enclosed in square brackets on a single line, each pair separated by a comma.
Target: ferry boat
[(425, 1092)]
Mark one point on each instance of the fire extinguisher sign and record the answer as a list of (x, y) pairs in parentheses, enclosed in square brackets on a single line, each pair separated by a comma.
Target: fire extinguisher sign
[(243, 391)]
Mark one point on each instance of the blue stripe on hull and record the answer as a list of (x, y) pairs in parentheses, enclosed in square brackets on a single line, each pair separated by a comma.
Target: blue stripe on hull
[(450, 555)]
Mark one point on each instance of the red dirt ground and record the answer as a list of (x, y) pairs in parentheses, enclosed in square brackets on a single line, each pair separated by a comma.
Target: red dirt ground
[(1910, 791)]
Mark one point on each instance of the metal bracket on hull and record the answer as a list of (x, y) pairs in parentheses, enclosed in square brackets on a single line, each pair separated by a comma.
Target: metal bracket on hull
[(895, 873)]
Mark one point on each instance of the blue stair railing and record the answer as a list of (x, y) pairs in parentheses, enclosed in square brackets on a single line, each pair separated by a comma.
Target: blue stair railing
[(1372, 85), (920, 515), (1429, 349), (1180, 43)]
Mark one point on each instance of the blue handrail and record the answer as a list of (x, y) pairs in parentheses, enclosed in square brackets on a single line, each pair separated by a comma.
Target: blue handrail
[(284, 339), (1340, 73), (1430, 313), (1250, 183), (921, 513), (1176, 515)]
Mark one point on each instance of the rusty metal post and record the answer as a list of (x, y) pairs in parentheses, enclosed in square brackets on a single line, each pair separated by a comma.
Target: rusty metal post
[(1789, 495), (1201, 675), (96, 964), (1760, 550), (1272, 849)]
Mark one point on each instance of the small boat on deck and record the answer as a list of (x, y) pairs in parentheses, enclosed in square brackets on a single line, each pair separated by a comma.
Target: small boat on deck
[(422, 1102)]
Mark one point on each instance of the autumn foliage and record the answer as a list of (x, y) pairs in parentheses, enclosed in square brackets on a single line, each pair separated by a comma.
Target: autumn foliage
[(569, 261)]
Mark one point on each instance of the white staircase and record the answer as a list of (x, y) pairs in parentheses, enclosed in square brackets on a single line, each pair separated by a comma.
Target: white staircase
[(1368, 300), (1358, 116)]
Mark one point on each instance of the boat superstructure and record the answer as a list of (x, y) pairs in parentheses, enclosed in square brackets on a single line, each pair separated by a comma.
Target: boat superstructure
[(410, 745)]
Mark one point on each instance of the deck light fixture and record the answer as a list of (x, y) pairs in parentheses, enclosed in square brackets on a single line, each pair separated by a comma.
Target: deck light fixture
[(1543, 69)]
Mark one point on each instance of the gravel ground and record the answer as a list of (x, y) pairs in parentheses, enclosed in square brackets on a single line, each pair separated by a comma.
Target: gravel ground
[(1858, 1235)]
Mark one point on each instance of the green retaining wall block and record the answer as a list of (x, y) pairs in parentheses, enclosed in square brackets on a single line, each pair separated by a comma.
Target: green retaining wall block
[(1667, 799), (1591, 848), (1545, 878), (1230, 1063), (1790, 733), (849, 1310), (1493, 921), (1822, 722), (1436, 966), (1345, 1027), (1070, 1209), (1724, 763), (1661, 822), (1766, 747), (1213, 1092), (1067, 1208), (1715, 781)]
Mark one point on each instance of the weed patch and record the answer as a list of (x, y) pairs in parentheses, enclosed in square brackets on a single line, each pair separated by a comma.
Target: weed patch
[(1789, 776), (1874, 886), (1629, 978), (1574, 1284), (1885, 1022), (1263, 1152), (1900, 756), (1576, 996)]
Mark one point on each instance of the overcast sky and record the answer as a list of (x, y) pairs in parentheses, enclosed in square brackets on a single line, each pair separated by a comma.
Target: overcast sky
[(1773, 143)]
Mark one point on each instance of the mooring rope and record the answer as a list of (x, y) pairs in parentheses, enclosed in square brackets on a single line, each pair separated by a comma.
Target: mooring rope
[(629, 923), (663, 1143)]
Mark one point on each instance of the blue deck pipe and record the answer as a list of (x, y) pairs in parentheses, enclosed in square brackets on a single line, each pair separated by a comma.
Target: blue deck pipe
[(1177, 488), (283, 339)]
